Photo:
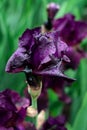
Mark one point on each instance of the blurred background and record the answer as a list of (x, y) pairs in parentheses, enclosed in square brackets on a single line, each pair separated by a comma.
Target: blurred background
[(15, 17)]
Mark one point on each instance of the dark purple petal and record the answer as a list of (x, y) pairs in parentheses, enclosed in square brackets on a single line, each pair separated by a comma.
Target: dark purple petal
[(54, 78), (21, 115), (43, 48), (54, 70), (21, 56), (22, 102), (47, 45), (75, 56), (16, 99), (27, 39), (3, 128), (29, 126), (58, 85), (6, 102), (10, 113), (14, 96), (25, 126), (61, 120), (17, 61), (56, 123), (61, 48), (71, 31), (43, 101), (5, 115)]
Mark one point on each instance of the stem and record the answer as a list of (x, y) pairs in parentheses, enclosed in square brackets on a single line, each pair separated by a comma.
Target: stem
[(34, 93), (34, 102), (34, 105)]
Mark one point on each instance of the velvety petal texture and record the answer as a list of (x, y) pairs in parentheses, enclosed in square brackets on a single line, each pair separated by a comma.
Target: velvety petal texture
[(71, 31), (18, 61), (27, 38), (75, 55), (56, 123), (3, 128), (11, 113), (58, 86), (21, 57), (44, 46), (41, 50)]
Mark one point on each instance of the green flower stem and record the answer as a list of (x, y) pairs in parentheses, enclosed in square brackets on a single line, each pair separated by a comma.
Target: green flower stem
[(34, 102), (34, 105), (35, 92)]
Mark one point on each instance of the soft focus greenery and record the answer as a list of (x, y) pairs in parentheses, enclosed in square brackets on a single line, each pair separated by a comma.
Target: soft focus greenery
[(15, 17)]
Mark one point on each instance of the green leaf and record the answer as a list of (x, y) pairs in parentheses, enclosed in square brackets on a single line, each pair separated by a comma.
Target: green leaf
[(78, 89), (55, 106), (68, 126), (81, 118)]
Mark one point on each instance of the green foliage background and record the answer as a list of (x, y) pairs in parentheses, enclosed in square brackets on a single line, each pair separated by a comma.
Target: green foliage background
[(15, 17)]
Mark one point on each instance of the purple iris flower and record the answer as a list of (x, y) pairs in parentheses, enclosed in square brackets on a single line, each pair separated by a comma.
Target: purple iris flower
[(40, 55), (12, 109), (72, 32), (56, 123)]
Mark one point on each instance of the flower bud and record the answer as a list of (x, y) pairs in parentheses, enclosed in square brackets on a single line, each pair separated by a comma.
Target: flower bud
[(35, 91), (40, 119), (31, 112), (52, 9)]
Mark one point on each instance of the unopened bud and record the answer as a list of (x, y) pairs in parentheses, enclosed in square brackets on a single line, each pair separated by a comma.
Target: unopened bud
[(40, 119), (35, 91), (52, 9), (31, 112)]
